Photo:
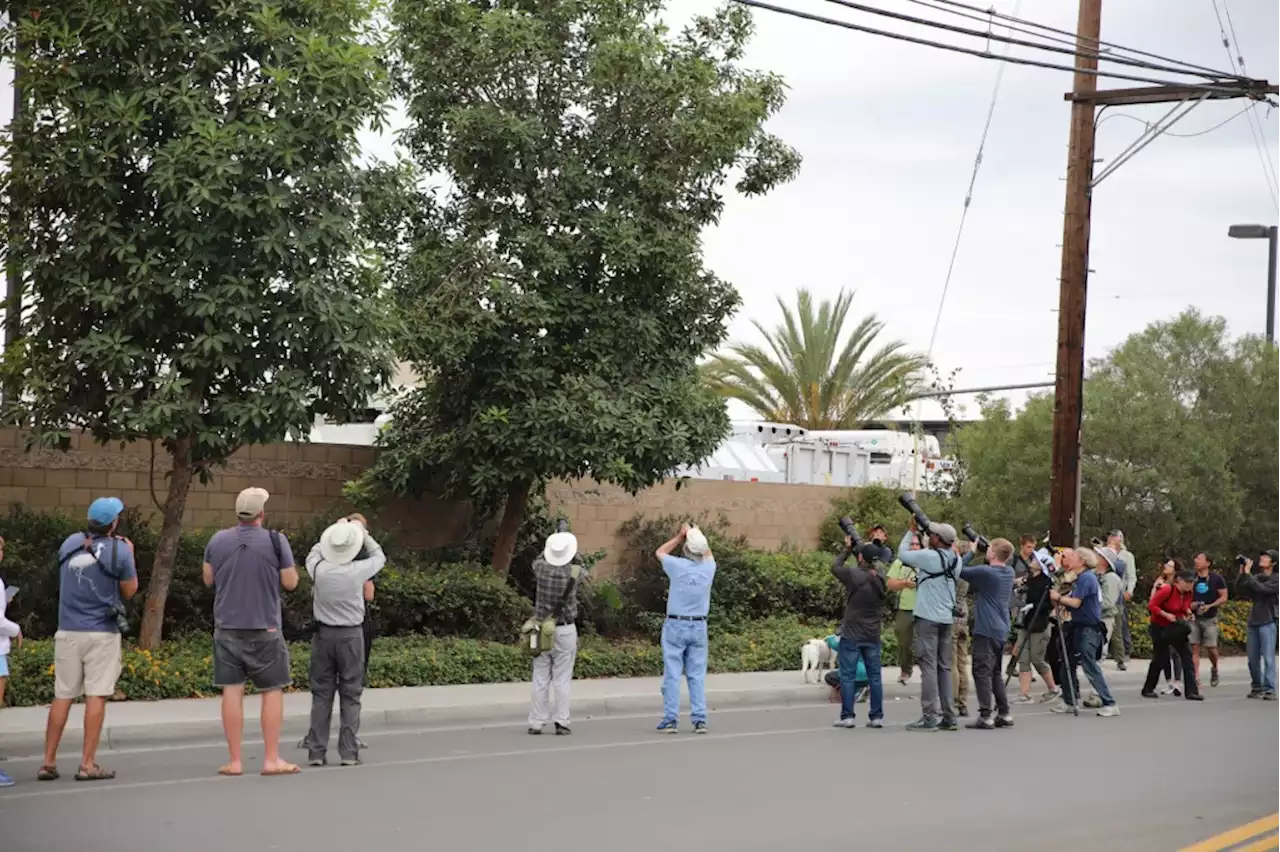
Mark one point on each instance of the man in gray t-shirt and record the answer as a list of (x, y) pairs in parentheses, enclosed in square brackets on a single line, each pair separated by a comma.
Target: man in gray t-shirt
[(247, 565)]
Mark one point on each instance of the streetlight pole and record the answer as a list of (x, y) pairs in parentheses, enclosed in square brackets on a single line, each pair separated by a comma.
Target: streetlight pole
[(1262, 232)]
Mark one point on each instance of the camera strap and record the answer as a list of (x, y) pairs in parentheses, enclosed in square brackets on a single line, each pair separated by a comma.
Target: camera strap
[(86, 548)]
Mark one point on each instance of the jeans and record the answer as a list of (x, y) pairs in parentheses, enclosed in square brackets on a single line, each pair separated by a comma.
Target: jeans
[(684, 653), (1124, 630), (848, 656), (1087, 641), (1162, 652), (988, 678), (934, 651), (1262, 656)]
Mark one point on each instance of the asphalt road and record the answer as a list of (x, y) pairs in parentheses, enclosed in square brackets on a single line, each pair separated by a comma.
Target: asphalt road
[(1161, 776)]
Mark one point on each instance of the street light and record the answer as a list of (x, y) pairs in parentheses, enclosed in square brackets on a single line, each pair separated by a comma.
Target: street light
[(1262, 232)]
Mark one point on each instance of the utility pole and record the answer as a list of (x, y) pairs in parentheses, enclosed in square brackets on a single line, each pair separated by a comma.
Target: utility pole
[(1068, 409)]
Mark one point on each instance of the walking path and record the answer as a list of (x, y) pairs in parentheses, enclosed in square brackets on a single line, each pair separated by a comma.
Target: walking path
[(133, 724)]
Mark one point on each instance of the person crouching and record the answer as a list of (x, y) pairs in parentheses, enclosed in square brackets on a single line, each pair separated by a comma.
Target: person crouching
[(337, 648), (556, 573)]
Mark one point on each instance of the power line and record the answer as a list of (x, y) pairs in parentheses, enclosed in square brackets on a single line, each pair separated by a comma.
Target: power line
[(981, 54), (1262, 137), (1259, 138), (1204, 132), (1073, 51), (968, 197), (985, 14)]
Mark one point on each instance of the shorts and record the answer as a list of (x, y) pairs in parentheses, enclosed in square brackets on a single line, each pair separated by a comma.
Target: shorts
[(260, 657), (4, 665), (1032, 651), (85, 664), (1204, 631)]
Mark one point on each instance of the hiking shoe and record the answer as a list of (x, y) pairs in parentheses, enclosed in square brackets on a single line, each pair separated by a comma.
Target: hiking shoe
[(1196, 697), (982, 723), (5, 780), (1213, 678), (948, 724), (535, 732), (1146, 694), (1255, 693), (563, 730), (1108, 711), (1004, 721), (845, 723), (924, 723), (699, 727), (668, 726), (875, 723)]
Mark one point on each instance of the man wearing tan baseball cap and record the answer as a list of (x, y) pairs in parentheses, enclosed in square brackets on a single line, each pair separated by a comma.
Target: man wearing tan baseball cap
[(247, 565)]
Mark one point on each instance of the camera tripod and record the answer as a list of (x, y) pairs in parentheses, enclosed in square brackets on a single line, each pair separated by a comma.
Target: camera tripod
[(1063, 651)]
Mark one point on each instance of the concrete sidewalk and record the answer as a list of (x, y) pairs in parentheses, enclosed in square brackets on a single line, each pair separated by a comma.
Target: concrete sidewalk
[(132, 724)]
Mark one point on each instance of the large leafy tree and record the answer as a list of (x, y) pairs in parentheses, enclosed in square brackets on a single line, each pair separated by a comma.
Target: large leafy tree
[(554, 294), (816, 370), (185, 179)]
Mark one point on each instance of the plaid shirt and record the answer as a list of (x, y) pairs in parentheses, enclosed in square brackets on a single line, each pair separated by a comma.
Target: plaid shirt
[(552, 583)]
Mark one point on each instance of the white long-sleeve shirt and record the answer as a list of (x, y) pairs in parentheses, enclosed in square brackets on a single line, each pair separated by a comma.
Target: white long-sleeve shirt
[(8, 629)]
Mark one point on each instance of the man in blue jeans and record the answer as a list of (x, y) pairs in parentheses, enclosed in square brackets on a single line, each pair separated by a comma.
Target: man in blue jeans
[(684, 635), (1085, 602), (865, 590), (1262, 589)]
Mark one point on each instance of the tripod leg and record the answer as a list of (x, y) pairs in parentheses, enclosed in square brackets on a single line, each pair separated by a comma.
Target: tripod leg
[(1068, 667)]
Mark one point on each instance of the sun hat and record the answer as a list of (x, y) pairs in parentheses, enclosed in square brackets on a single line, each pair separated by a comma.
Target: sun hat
[(561, 548), (695, 542), (340, 543)]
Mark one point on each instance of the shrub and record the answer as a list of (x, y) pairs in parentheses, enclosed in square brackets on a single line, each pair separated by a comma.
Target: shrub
[(467, 600)]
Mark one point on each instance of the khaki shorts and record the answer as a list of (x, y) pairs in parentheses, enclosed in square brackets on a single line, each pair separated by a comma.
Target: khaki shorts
[(85, 664), (1204, 631)]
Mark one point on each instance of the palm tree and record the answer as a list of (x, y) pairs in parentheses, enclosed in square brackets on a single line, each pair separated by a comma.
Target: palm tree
[(807, 377)]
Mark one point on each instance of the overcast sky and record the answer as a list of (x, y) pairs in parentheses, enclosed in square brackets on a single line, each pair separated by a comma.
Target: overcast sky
[(889, 132)]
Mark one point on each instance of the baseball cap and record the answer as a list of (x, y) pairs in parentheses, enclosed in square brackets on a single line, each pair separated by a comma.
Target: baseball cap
[(870, 552), (945, 532), (251, 502), (105, 510)]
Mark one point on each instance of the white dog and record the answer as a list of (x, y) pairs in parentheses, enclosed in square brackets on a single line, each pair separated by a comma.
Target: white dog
[(815, 655)]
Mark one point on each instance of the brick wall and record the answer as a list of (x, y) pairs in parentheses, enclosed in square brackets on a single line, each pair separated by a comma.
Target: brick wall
[(307, 479)]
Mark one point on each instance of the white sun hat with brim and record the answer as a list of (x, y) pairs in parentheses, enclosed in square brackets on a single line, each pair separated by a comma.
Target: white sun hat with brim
[(1108, 554), (340, 543), (561, 548), (695, 542)]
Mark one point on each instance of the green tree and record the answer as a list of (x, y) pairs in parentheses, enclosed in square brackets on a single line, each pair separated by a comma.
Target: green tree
[(186, 180), (554, 293), (807, 376)]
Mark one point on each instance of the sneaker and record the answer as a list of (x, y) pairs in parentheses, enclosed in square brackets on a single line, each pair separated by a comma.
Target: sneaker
[(5, 780), (1050, 697), (982, 723), (1168, 689), (1060, 706), (1177, 692), (1196, 697), (1213, 677), (1024, 699), (668, 726), (962, 710), (948, 724), (1147, 694), (1108, 711), (563, 730), (1004, 721), (1255, 693), (699, 727), (845, 723), (1269, 695), (1120, 664), (316, 761), (924, 723), (875, 723), (535, 732), (350, 761)]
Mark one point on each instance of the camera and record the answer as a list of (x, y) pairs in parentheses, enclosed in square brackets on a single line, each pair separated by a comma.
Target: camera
[(562, 525), (1241, 559), (846, 524), (1097, 542), (122, 619), (908, 501), (979, 541)]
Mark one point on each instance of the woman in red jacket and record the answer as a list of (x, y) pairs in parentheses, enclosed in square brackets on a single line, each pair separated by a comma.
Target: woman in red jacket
[(1170, 609)]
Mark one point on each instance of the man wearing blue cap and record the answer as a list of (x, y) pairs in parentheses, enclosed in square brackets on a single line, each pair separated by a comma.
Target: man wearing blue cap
[(96, 570)]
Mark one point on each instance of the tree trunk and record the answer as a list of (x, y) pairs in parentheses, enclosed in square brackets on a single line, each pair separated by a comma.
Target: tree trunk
[(505, 545), (167, 549)]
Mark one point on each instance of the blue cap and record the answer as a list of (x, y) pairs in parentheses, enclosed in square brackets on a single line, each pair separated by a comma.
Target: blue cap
[(105, 510)]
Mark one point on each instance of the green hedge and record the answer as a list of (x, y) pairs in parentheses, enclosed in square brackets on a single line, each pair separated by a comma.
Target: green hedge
[(182, 667)]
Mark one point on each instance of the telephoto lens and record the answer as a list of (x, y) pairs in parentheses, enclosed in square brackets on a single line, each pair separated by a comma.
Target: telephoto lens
[(562, 525), (846, 524), (908, 501), (979, 541)]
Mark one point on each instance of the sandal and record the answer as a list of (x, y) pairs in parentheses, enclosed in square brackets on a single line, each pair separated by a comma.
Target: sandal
[(94, 773), (48, 773), (228, 772), (285, 769)]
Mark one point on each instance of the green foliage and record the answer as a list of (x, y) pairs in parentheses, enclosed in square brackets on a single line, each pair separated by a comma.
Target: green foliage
[(806, 376), (867, 506), (554, 291), (449, 600)]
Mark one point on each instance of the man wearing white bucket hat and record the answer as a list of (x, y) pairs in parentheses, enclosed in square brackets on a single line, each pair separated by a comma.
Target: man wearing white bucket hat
[(684, 634), (557, 572), (337, 648)]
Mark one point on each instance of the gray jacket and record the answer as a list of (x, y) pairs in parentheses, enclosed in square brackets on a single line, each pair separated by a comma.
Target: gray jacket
[(1263, 590)]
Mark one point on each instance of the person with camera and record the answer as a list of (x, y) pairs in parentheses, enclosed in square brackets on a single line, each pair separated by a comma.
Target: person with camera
[(865, 590), (904, 619), (684, 633), (1171, 608), (1262, 590), (96, 573), (992, 585), (1086, 631), (556, 574), (1032, 648), (962, 636), (1211, 593), (935, 614)]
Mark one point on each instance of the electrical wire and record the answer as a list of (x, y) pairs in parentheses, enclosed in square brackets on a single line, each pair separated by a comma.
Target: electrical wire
[(1204, 132), (1073, 51), (968, 197), (1262, 137), (1241, 89), (978, 13), (1259, 138)]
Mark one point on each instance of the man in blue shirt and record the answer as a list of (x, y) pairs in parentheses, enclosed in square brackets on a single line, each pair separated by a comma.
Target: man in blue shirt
[(1087, 632), (934, 646), (96, 570), (684, 635), (992, 585)]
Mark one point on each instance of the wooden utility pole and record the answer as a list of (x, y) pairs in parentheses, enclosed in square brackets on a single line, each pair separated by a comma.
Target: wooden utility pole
[(1068, 408)]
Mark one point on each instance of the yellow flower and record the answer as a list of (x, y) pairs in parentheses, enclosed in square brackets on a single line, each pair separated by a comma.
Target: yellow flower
[(50, 668)]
